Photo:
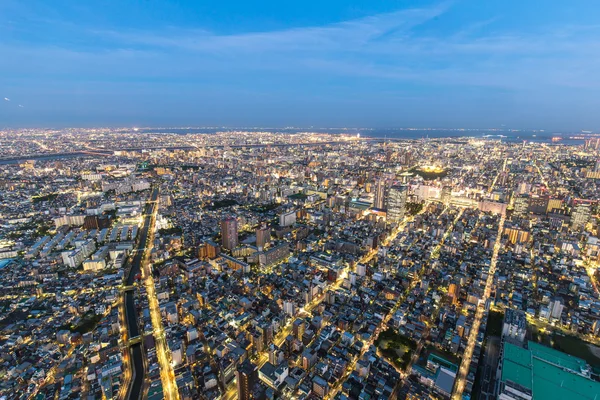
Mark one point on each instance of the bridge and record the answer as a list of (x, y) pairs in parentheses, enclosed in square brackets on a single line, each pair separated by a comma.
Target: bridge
[(135, 340)]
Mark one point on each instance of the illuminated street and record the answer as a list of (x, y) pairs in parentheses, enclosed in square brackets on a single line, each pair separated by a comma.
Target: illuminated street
[(164, 357), (468, 353)]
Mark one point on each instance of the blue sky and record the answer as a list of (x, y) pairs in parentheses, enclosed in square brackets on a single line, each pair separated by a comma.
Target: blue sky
[(462, 63)]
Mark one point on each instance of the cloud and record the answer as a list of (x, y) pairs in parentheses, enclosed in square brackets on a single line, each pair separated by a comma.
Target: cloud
[(386, 46), (383, 55), (6, 99), (342, 36)]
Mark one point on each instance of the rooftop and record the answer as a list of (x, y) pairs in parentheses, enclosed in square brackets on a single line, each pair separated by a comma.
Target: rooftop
[(548, 373)]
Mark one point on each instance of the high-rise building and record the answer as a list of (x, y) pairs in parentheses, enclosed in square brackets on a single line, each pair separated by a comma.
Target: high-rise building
[(263, 237), (212, 249), (276, 356), (273, 255), (320, 386), (396, 203), (540, 372), (514, 326), (289, 307), (538, 204), (380, 195), (267, 332), (446, 194), (516, 234), (580, 216), (454, 292), (229, 233), (247, 376), (521, 205), (202, 251), (298, 328), (287, 218), (556, 307), (523, 187), (96, 222), (553, 204)]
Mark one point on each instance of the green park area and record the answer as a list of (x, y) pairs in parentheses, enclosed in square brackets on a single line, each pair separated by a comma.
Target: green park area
[(414, 208), (86, 324), (569, 344), (429, 173), (261, 208), (578, 348), (221, 204), (45, 197), (396, 348), (494, 323), (297, 196), (176, 230)]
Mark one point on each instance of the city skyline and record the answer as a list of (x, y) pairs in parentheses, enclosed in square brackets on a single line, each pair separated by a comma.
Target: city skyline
[(330, 266), (310, 200)]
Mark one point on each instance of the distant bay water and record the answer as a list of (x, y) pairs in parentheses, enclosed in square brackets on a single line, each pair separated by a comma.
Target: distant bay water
[(566, 138)]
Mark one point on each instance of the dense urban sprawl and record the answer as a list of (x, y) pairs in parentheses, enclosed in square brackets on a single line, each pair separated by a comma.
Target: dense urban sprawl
[(260, 265)]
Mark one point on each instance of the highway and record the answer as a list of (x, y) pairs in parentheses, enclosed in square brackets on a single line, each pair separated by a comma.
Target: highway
[(137, 355)]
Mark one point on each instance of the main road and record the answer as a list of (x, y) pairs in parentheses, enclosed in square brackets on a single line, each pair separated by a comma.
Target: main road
[(463, 370), (138, 372), (163, 353)]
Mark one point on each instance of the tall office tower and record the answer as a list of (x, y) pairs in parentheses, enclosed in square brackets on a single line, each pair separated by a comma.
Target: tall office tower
[(555, 308), (597, 166), (446, 194), (229, 233), (263, 237), (396, 202), (521, 205), (380, 194), (247, 376), (580, 216)]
